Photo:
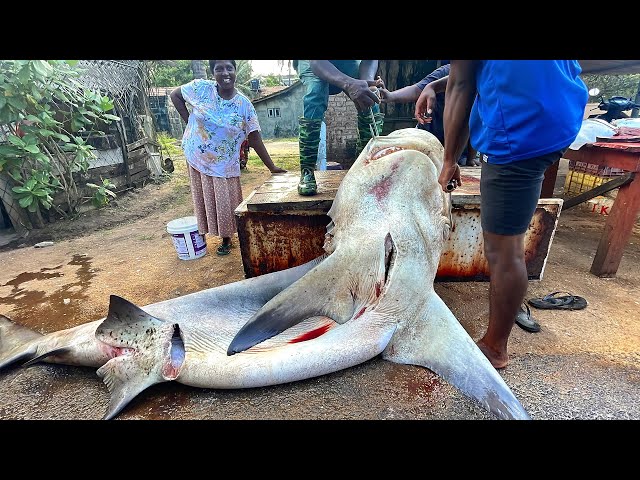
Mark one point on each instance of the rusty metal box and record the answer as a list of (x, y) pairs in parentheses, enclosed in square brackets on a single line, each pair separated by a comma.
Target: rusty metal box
[(278, 228)]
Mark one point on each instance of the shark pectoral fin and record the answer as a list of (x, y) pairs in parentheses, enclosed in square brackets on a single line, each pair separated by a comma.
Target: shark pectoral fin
[(315, 294), (437, 341), (15, 342), (149, 351)]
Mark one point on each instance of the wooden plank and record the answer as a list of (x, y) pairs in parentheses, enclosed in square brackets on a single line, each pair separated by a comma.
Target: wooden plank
[(137, 155), (140, 143), (107, 171), (599, 190), (617, 230), (142, 174), (629, 161), (280, 193), (549, 182), (137, 167)]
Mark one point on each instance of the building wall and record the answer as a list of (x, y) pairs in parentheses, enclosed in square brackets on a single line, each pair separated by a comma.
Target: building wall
[(290, 105), (340, 118), (166, 116), (342, 129)]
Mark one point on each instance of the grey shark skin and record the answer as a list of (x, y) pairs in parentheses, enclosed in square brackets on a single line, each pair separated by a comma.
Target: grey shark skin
[(370, 294)]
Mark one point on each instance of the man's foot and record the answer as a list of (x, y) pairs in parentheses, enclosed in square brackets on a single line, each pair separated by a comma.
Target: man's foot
[(307, 185), (498, 359)]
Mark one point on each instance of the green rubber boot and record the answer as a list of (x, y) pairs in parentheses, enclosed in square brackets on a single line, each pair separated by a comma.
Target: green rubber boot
[(309, 140), (364, 132)]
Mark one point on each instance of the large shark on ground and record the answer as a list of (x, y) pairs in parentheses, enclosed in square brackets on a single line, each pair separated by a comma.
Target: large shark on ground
[(370, 294)]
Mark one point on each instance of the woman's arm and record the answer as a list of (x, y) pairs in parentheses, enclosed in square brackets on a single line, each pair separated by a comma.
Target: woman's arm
[(178, 102), (255, 142)]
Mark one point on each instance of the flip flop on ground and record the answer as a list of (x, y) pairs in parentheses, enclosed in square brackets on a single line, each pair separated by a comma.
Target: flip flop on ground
[(561, 302), (525, 320)]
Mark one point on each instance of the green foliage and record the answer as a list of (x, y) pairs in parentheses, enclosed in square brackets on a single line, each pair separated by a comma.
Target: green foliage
[(168, 144), (171, 74), (611, 85), (102, 193), (271, 80), (243, 77), (48, 116)]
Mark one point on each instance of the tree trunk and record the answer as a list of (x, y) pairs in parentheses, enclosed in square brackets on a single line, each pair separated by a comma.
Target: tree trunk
[(198, 69)]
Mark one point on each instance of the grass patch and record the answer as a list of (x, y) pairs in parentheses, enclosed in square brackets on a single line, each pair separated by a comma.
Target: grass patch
[(284, 152)]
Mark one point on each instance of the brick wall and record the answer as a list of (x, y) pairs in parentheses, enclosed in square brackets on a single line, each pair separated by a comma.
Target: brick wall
[(342, 129)]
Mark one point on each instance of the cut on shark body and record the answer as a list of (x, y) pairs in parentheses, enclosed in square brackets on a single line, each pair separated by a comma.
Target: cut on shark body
[(371, 294)]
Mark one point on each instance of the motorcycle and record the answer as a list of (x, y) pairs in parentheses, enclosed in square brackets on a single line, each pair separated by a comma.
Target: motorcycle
[(613, 108)]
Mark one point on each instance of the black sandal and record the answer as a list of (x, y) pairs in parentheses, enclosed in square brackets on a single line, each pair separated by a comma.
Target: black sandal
[(562, 302), (224, 249), (525, 321)]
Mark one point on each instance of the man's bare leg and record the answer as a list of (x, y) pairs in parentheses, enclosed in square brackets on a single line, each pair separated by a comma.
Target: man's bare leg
[(507, 288)]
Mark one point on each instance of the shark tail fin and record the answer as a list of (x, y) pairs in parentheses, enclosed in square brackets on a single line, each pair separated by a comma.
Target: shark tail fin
[(150, 351), (16, 342)]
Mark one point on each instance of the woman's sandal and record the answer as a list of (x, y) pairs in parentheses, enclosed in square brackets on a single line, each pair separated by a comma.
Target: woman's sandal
[(525, 320), (562, 302), (224, 249)]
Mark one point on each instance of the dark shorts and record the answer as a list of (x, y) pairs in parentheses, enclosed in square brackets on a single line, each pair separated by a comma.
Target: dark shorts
[(509, 193)]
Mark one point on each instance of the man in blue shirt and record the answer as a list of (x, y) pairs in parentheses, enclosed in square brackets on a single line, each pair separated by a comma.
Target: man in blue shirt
[(524, 116)]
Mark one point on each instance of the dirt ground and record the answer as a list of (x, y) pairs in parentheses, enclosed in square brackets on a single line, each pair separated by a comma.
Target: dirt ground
[(581, 365)]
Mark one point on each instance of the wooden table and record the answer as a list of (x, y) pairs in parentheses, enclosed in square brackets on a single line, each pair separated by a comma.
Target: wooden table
[(624, 212)]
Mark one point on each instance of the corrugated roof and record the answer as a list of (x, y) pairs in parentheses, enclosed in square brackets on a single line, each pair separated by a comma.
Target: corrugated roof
[(278, 92)]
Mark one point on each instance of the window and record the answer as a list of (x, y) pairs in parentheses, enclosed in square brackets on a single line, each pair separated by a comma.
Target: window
[(273, 112)]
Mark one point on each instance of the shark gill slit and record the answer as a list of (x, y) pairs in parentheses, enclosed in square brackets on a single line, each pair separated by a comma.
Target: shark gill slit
[(176, 354), (389, 257)]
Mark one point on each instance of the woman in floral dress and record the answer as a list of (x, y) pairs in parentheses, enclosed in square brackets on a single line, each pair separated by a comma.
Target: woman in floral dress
[(220, 119)]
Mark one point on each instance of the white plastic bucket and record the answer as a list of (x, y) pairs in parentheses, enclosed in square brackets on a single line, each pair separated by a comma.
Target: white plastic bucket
[(189, 243)]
